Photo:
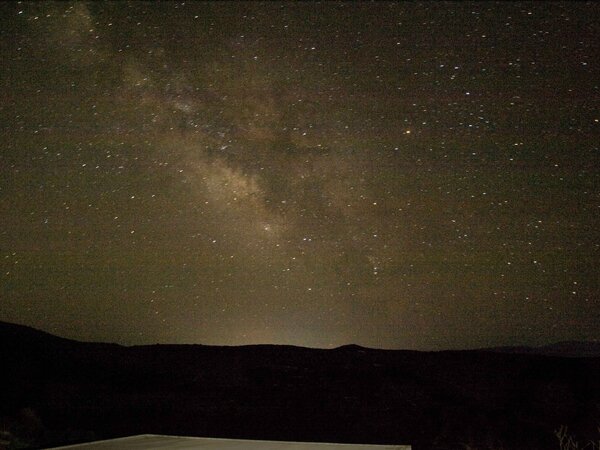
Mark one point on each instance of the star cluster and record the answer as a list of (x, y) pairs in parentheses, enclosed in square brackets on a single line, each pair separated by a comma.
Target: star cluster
[(397, 175)]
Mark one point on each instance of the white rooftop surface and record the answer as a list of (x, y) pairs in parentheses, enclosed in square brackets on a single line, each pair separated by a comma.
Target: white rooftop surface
[(154, 441)]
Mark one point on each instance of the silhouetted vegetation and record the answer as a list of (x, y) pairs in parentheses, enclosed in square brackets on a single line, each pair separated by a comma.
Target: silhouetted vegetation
[(567, 441)]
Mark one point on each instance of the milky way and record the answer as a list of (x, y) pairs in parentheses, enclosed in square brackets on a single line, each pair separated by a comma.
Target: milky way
[(397, 175)]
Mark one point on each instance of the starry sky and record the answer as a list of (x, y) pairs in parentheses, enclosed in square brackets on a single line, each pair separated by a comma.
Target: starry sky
[(395, 175)]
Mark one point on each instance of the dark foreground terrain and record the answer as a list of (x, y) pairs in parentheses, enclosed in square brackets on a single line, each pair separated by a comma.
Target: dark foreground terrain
[(57, 391)]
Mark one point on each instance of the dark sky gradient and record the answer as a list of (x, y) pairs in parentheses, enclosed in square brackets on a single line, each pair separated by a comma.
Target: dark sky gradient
[(397, 175)]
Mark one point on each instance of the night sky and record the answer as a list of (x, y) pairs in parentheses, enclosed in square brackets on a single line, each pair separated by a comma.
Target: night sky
[(397, 175)]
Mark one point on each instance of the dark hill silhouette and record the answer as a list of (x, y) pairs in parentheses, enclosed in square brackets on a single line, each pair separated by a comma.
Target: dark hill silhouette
[(566, 349), (26, 335), (60, 391)]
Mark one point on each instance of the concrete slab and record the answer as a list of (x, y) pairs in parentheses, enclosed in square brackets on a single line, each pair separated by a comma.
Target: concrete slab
[(154, 441)]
